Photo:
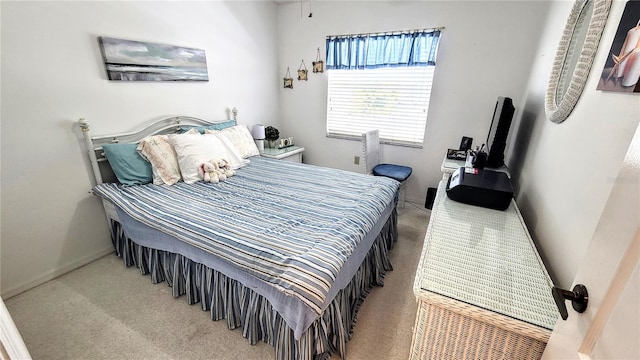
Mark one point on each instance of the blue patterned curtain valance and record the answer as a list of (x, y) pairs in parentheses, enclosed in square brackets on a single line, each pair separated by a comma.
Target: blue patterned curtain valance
[(365, 51)]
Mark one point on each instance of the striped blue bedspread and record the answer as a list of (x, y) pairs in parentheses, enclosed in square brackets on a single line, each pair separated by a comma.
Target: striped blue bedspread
[(291, 225)]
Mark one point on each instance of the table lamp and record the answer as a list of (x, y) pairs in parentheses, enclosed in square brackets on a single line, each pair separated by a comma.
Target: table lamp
[(258, 136)]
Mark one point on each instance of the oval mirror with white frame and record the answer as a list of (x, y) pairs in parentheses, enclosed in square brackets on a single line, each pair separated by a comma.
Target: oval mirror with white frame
[(571, 68)]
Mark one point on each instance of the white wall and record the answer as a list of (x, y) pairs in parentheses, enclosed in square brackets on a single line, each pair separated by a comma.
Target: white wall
[(487, 50), (566, 170), (52, 74)]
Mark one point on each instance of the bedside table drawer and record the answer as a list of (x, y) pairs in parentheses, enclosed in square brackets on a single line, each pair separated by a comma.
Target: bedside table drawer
[(297, 157), (291, 153)]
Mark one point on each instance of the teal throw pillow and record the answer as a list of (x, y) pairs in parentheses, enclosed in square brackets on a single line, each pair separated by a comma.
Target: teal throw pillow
[(128, 166), (217, 126)]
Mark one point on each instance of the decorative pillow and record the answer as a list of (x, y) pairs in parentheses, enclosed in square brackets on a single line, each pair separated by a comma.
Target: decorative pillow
[(159, 152), (128, 166), (217, 126), (193, 150), (241, 138)]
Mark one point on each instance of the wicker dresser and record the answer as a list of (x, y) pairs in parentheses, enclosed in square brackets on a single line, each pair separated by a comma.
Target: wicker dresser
[(482, 289)]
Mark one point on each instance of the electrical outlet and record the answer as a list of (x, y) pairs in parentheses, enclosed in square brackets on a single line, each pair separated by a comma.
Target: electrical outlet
[(356, 160)]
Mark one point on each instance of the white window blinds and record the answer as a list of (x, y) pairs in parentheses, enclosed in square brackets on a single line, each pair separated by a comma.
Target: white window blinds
[(394, 100)]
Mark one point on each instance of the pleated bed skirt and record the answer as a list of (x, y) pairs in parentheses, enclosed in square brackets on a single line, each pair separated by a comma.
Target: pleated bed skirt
[(241, 307)]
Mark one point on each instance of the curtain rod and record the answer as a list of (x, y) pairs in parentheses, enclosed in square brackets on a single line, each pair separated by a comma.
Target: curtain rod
[(388, 32)]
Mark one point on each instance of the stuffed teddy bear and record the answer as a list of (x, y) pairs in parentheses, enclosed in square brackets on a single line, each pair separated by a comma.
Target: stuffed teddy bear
[(216, 170), (209, 173), (225, 168)]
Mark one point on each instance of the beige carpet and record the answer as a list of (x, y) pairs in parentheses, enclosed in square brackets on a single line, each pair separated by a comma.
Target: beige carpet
[(107, 311)]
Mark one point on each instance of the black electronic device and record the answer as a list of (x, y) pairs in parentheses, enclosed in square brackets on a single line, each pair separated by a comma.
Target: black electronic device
[(465, 143), (498, 132), (485, 188), (454, 154)]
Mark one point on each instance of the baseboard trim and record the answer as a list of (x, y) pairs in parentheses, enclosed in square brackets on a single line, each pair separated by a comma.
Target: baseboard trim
[(9, 293)]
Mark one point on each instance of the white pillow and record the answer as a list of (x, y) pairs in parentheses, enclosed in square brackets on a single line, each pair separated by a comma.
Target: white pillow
[(193, 150), (241, 138), (235, 159)]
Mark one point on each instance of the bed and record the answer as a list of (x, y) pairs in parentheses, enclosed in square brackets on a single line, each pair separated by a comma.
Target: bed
[(284, 251)]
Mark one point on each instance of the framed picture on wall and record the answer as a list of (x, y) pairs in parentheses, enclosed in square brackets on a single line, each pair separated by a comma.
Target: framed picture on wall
[(622, 70), (302, 72), (318, 65), (287, 80), (129, 60)]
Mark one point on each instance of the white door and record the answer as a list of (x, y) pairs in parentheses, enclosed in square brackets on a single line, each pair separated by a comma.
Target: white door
[(610, 326)]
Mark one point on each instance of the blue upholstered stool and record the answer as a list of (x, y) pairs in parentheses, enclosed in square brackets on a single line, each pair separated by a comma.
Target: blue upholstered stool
[(396, 172)]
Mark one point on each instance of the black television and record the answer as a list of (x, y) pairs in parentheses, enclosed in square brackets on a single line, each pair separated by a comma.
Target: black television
[(498, 132)]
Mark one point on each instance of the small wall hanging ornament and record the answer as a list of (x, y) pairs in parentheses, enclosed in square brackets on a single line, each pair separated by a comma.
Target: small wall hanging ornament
[(318, 65), (288, 80), (302, 72)]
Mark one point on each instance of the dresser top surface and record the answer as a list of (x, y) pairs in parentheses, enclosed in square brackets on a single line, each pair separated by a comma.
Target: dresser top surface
[(485, 258)]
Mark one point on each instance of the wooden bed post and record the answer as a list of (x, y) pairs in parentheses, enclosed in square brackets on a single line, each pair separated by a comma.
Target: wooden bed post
[(84, 125)]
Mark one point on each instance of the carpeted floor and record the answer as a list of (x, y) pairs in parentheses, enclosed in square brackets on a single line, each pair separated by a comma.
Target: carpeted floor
[(107, 311)]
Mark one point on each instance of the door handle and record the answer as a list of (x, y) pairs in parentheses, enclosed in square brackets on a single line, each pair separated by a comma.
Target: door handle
[(579, 299)]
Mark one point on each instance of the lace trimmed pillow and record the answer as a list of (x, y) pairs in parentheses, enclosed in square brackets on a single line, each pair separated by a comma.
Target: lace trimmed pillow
[(159, 151), (241, 138)]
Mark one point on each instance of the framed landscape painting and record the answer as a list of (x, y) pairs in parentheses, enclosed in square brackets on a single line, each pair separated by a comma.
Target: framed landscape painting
[(143, 61)]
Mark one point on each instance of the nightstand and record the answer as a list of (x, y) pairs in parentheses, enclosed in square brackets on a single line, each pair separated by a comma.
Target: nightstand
[(290, 153)]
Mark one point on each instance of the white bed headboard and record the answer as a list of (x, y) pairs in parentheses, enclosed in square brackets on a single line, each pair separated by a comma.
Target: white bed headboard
[(170, 125)]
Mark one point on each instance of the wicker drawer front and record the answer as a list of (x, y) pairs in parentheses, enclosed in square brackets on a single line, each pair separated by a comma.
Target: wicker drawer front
[(443, 334)]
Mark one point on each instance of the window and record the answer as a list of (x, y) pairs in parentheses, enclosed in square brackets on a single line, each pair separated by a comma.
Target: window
[(380, 81), (393, 100)]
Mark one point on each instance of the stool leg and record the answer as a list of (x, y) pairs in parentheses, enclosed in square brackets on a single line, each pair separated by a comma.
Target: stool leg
[(402, 195)]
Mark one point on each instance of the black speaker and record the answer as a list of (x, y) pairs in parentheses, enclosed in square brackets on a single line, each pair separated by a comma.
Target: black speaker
[(431, 196), (479, 159)]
